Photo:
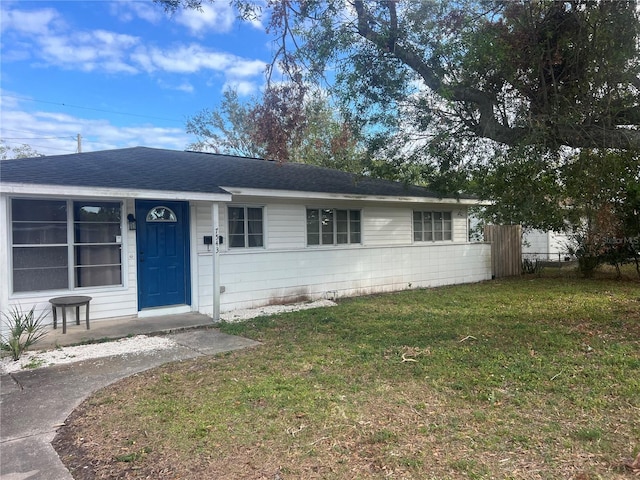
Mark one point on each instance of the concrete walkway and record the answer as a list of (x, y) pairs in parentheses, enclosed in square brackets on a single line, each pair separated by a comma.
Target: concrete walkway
[(35, 403)]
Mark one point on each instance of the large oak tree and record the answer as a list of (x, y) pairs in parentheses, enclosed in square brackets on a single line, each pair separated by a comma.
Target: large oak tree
[(528, 71), (469, 93)]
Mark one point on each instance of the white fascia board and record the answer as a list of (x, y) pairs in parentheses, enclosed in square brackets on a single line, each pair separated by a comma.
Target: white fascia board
[(291, 194), (98, 192)]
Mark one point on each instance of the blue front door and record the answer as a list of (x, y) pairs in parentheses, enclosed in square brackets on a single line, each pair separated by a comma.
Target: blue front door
[(163, 253)]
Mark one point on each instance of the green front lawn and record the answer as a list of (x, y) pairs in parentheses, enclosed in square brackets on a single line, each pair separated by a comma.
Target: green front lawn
[(525, 379)]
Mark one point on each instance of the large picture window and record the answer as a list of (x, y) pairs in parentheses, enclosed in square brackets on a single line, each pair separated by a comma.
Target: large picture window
[(246, 229), (432, 226), (96, 252), (327, 226), (64, 245)]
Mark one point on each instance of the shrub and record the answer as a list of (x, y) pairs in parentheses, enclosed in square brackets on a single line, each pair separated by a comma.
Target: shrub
[(530, 265), (588, 259), (24, 330)]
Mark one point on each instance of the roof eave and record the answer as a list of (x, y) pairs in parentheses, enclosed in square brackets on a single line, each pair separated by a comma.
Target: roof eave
[(101, 192), (292, 194)]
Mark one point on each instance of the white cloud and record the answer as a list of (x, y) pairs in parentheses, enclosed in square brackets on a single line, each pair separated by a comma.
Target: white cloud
[(187, 59), (37, 22), (40, 38), (218, 18), (247, 68), (81, 50), (140, 56), (195, 58), (185, 87), (182, 87), (55, 133), (128, 11), (243, 88)]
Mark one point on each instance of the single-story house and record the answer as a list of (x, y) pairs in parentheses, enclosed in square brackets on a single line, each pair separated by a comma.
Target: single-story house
[(149, 232)]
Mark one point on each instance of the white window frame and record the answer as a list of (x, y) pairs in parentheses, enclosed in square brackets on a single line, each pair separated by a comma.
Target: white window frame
[(334, 233), (428, 219), (70, 244), (245, 227)]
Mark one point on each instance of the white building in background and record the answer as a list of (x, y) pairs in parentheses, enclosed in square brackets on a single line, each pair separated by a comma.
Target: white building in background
[(546, 246)]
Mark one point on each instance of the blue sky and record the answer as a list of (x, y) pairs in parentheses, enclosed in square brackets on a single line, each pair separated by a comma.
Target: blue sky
[(119, 73)]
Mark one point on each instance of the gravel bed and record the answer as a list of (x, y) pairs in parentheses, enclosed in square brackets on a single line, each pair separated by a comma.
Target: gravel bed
[(241, 315), (124, 346)]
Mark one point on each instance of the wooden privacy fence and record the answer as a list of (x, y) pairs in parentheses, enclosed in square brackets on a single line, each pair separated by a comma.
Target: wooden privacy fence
[(506, 249)]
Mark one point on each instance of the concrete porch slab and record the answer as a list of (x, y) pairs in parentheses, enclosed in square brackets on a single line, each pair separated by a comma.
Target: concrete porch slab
[(120, 328)]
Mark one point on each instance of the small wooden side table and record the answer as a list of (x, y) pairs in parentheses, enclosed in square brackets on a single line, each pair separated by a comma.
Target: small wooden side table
[(72, 301)]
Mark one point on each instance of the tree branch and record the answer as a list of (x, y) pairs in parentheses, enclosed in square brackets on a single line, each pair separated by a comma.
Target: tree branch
[(488, 124)]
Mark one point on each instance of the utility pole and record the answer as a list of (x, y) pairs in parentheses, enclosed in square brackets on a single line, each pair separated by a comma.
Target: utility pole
[(79, 144)]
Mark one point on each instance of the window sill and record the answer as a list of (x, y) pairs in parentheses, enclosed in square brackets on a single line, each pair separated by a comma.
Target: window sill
[(75, 291)]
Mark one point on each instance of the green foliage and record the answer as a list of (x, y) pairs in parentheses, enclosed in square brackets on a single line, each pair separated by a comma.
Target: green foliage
[(328, 140), (530, 266), (22, 151), (589, 193), (588, 253), (525, 72), (287, 123), (133, 456), (24, 330), (226, 129), (527, 186), (34, 363), (602, 187)]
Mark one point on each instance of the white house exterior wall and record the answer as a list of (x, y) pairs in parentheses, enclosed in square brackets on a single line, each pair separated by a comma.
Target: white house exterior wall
[(4, 254), (383, 225), (559, 244), (277, 277), (285, 226), (286, 269)]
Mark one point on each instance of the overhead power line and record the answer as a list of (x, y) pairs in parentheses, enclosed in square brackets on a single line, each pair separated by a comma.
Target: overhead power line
[(66, 150), (35, 138), (92, 109)]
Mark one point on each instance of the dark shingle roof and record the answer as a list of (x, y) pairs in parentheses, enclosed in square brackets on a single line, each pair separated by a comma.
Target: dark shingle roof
[(142, 168)]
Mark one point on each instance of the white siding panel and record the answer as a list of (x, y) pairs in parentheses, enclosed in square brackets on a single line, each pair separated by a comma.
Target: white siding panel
[(205, 283), (5, 268), (202, 295), (460, 225), (130, 254), (387, 226), (203, 226), (559, 245), (287, 270), (286, 226), (535, 242), (105, 303), (260, 278)]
